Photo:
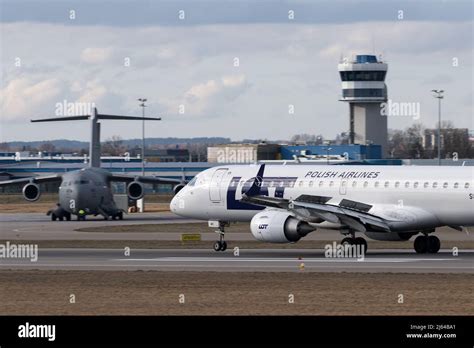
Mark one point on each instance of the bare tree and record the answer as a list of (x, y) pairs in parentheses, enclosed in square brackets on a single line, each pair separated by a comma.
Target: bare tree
[(113, 146), (47, 147)]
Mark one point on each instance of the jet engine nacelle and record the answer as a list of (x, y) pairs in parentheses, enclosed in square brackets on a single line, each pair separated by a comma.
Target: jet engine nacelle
[(278, 227), (135, 190), (31, 192), (391, 236), (178, 188)]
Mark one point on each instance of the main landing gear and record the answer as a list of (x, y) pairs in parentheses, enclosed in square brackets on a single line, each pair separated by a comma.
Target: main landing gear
[(221, 244), (355, 241), (60, 217), (427, 244), (59, 214), (116, 216)]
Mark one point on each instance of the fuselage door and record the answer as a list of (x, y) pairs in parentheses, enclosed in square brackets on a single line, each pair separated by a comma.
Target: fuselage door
[(215, 186)]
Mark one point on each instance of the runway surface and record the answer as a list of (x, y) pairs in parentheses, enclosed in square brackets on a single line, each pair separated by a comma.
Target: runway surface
[(250, 260), (38, 226)]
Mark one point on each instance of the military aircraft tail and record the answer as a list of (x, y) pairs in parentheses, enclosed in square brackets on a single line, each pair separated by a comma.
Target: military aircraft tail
[(94, 146)]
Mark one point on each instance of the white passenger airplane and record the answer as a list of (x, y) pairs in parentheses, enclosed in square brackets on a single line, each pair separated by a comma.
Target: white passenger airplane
[(285, 203)]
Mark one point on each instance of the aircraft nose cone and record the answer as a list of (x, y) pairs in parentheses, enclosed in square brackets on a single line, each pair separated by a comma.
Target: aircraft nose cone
[(174, 204), (177, 204), (78, 202)]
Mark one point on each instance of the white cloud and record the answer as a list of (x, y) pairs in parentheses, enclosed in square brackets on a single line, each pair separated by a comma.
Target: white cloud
[(280, 64), (93, 92), (233, 80), (24, 98), (96, 55)]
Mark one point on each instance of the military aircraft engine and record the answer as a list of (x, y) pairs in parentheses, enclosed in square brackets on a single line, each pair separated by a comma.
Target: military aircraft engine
[(31, 192), (278, 227), (135, 190)]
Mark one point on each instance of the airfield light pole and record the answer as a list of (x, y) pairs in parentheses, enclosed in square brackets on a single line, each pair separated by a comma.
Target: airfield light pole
[(438, 93), (327, 153), (143, 106)]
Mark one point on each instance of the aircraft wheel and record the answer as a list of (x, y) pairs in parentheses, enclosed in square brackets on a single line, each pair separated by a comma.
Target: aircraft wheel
[(217, 246), (53, 217), (68, 217), (61, 218), (224, 246), (120, 216), (434, 244), (421, 244), (348, 241), (361, 241)]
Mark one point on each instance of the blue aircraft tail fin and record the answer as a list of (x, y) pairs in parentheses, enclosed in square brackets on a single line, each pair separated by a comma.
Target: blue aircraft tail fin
[(254, 190)]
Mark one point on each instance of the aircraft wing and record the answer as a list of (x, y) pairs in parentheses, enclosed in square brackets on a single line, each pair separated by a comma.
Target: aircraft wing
[(33, 179), (308, 207), (145, 179), (351, 213)]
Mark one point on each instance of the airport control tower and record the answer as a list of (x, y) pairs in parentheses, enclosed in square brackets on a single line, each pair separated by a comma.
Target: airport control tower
[(363, 87)]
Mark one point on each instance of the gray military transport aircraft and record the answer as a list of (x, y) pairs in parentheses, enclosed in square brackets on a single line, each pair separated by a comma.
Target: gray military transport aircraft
[(88, 191)]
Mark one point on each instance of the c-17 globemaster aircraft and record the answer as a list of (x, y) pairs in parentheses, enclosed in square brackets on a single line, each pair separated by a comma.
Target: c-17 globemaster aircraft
[(88, 191), (286, 202)]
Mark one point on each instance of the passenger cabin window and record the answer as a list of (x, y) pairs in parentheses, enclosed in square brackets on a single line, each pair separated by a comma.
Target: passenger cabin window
[(301, 183), (311, 184), (456, 185), (415, 185), (376, 184), (435, 185), (366, 184), (445, 185), (407, 184), (466, 185), (354, 183), (386, 184), (397, 184), (331, 183), (426, 184)]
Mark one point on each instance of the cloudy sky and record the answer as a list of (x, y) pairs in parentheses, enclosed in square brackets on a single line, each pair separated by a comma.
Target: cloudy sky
[(183, 53)]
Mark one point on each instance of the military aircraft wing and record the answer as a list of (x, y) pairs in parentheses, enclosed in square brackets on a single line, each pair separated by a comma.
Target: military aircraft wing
[(145, 179), (33, 179)]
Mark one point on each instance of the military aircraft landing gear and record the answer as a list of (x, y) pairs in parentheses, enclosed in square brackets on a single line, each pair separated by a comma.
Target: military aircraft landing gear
[(427, 244), (119, 216), (221, 244), (60, 217), (353, 240), (59, 213)]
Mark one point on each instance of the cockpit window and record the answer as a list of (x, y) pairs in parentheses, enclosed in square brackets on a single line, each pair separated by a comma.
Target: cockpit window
[(193, 181)]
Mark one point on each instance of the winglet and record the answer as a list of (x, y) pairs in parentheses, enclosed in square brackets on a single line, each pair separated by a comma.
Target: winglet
[(254, 190)]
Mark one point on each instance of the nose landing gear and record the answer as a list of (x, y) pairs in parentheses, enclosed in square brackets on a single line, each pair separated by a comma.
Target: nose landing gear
[(221, 244)]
